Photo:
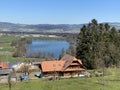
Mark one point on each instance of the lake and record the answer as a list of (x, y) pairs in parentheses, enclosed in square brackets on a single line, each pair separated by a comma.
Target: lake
[(47, 46)]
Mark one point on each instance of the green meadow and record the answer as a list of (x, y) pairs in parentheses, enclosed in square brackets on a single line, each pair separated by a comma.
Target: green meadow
[(111, 81), (5, 42), (6, 50)]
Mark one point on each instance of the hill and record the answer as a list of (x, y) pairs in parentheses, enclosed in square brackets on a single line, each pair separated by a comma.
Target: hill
[(5, 26), (59, 28)]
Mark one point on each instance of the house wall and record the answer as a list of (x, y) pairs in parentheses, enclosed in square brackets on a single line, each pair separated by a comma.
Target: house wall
[(71, 73), (46, 74)]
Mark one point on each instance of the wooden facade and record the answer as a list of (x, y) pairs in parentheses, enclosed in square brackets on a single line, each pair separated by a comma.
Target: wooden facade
[(67, 66)]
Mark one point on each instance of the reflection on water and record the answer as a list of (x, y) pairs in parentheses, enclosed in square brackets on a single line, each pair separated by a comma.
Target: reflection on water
[(50, 46)]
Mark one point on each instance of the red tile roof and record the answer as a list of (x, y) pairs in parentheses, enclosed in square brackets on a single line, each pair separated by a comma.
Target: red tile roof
[(4, 65), (67, 57), (48, 66), (61, 65)]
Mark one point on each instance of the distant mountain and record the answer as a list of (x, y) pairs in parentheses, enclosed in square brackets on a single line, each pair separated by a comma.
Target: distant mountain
[(5, 26), (116, 25), (59, 28)]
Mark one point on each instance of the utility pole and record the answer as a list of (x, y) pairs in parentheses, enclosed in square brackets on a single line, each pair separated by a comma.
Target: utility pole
[(7, 57)]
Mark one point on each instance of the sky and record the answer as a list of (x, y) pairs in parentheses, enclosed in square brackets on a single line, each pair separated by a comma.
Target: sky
[(59, 11)]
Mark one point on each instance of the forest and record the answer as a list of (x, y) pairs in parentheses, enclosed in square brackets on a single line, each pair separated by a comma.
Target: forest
[(98, 45)]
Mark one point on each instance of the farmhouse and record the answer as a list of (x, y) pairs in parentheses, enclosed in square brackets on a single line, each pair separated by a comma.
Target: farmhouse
[(67, 66)]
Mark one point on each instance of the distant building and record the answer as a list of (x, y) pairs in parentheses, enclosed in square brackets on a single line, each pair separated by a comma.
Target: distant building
[(67, 66), (4, 68), (4, 65)]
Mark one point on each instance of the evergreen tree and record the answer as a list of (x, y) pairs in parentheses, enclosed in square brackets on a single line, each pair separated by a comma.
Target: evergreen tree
[(98, 45)]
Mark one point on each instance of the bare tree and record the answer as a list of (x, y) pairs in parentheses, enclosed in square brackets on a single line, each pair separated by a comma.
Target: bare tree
[(9, 78), (9, 81)]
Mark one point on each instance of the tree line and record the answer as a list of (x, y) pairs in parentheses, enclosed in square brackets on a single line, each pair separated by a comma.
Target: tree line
[(20, 46), (98, 45)]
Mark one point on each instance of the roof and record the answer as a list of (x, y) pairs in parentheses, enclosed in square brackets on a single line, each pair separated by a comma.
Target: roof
[(61, 65), (48, 66), (4, 65), (67, 57)]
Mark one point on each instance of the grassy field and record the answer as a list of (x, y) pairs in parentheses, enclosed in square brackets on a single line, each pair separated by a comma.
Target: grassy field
[(66, 84), (5, 45), (109, 82), (8, 39)]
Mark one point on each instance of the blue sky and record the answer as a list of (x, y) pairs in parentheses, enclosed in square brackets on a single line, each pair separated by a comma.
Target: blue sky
[(59, 11)]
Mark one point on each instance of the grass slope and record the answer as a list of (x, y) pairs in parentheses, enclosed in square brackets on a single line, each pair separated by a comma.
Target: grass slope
[(111, 81), (66, 84)]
